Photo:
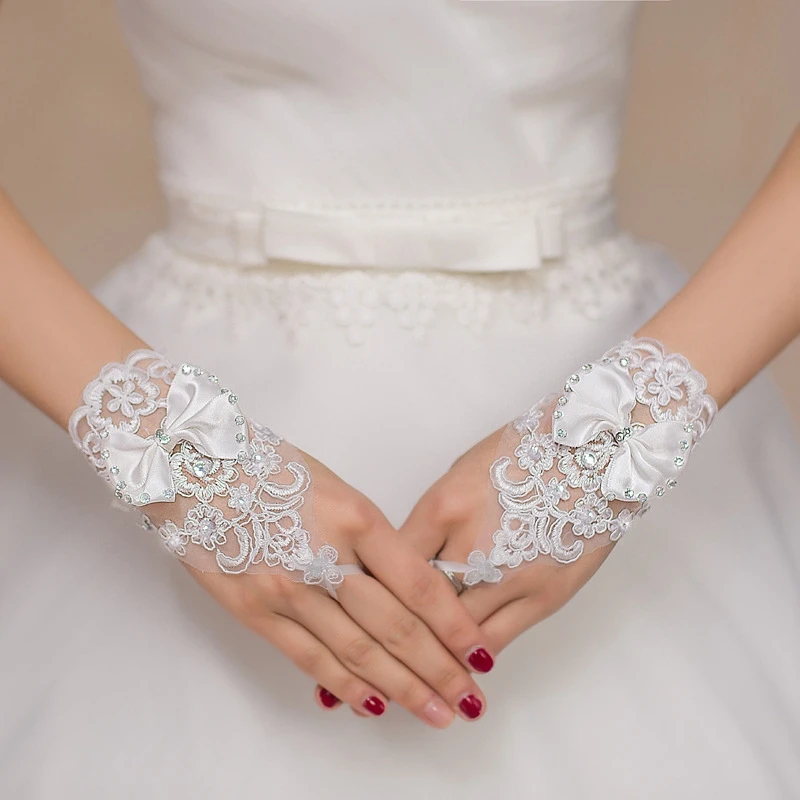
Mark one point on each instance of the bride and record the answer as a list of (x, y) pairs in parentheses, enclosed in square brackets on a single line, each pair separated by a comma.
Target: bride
[(391, 232)]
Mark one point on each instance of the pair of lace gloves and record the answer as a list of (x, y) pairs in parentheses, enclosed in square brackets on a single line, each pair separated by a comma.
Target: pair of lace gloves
[(226, 494)]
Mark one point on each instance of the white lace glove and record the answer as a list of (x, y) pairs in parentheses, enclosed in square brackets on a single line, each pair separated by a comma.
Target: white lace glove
[(574, 472), (224, 493)]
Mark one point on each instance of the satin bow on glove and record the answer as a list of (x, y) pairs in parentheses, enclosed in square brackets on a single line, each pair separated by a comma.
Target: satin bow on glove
[(236, 504), (566, 481)]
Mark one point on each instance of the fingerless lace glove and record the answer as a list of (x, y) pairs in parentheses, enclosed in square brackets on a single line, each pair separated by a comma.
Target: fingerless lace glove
[(575, 471), (223, 492)]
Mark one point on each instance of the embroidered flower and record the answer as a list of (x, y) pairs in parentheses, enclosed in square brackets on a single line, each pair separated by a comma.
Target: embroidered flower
[(584, 466), (206, 525), (529, 421), (131, 392), (197, 475), (175, 540), (481, 570), (590, 516), (554, 492), (536, 453), (516, 539), (262, 459), (240, 498), (264, 433), (322, 569), (621, 524)]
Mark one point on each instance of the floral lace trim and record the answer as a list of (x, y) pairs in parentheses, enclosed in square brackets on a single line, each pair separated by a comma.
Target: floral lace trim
[(591, 282), (563, 496), (231, 514)]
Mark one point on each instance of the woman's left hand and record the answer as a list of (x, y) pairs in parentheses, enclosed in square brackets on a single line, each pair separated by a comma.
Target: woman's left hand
[(446, 523)]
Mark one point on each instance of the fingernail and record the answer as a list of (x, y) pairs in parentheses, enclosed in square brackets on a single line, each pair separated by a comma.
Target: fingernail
[(471, 707), (328, 699), (374, 705), (438, 713), (480, 660)]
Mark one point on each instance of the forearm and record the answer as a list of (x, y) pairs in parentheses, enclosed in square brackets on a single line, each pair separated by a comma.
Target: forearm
[(54, 336), (743, 307)]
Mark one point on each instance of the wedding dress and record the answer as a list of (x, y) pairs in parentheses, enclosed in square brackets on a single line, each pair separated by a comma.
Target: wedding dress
[(392, 228)]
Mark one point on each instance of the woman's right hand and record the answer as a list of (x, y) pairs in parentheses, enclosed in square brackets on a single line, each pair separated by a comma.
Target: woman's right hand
[(280, 541), (399, 633)]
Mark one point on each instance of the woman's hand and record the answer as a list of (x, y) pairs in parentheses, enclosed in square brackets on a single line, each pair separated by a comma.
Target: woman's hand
[(446, 523), (401, 635), (279, 540), (534, 509)]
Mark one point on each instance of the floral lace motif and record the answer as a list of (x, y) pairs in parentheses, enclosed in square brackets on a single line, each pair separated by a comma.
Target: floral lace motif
[(229, 514), (584, 458), (591, 281)]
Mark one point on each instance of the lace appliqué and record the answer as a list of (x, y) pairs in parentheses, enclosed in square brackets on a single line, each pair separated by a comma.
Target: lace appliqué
[(589, 460), (223, 492)]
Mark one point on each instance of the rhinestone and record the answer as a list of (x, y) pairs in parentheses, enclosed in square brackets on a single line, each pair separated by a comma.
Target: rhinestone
[(558, 414), (589, 459), (186, 369), (104, 454), (684, 445), (642, 498), (162, 437), (144, 497), (586, 367), (201, 467), (232, 398), (242, 455), (118, 494), (121, 485), (688, 427), (679, 461), (115, 470), (561, 433), (623, 362), (611, 497), (239, 420), (629, 493), (240, 437), (198, 371), (562, 401), (213, 378), (169, 494), (103, 434), (574, 378), (672, 483), (660, 491)]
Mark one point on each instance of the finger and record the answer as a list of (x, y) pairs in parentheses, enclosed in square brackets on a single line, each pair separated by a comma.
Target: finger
[(412, 642), (513, 619), (425, 592), (316, 660), (422, 529), (363, 655)]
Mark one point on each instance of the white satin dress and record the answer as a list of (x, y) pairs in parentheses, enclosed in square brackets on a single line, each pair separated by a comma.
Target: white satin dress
[(392, 229)]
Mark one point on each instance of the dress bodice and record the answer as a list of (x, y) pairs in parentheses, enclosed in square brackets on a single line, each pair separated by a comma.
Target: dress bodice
[(381, 107)]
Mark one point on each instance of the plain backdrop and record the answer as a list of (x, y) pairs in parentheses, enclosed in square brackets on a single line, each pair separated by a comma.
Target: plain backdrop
[(714, 98)]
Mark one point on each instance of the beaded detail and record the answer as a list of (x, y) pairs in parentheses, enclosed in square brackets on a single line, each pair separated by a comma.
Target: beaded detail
[(238, 511), (587, 460)]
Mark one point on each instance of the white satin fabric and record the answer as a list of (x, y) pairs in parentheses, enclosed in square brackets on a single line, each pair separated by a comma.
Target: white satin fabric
[(603, 401), (423, 134), (672, 674)]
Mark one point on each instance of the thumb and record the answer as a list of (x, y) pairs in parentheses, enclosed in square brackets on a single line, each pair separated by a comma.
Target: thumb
[(425, 528)]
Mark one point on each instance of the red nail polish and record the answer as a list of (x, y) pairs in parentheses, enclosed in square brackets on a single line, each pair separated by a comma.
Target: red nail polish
[(480, 660), (374, 705), (471, 706), (328, 699)]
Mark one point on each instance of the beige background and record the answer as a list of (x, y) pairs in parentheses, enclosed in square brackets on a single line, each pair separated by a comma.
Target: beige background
[(714, 98)]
